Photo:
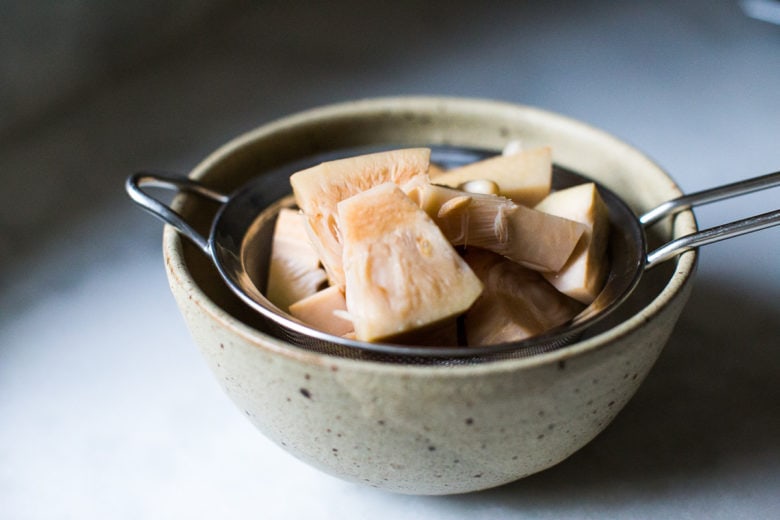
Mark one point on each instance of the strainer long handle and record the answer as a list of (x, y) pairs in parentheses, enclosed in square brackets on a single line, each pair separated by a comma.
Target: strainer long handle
[(715, 234), (134, 187), (700, 198)]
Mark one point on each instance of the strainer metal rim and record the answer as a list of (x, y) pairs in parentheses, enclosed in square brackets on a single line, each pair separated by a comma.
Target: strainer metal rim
[(231, 264), (226, 247)]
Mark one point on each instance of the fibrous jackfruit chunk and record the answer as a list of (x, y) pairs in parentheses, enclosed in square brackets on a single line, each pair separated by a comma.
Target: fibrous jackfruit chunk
[(325, 311), (583, 276), (516, 302), (524, 176), (294, 271), (532, 238), (320, 188), (401, 273)]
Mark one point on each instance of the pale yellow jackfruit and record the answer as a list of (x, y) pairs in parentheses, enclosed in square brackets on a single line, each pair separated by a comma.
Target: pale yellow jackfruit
[(294, 271), (529, 237), (583, 275), (401, 273), (325, 311), (320, 188), (516, 303), (524, 176)]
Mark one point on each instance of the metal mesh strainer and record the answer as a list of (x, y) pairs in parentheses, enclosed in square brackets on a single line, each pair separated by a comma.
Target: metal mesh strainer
[(241, 233)]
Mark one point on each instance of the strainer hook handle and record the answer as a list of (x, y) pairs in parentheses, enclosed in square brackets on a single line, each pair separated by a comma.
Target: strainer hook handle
[(135, 184)]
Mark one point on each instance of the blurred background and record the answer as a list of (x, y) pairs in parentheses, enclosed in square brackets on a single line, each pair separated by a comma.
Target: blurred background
[(107, 411)]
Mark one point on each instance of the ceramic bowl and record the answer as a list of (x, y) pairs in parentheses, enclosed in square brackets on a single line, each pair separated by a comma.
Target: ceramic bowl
[(429, 429)]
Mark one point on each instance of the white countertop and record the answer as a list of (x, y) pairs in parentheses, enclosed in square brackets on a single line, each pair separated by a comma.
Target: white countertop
[(108, 411)]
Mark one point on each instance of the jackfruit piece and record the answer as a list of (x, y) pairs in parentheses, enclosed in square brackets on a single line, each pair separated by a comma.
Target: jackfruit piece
[(583, 275), (524, 176), (320, 188), (401, 273), (516, 303), (325, 310), (294, 271), (529, 237)]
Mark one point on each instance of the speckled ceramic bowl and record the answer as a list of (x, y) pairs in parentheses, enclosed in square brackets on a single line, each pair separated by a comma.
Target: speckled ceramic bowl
[(429, 429)]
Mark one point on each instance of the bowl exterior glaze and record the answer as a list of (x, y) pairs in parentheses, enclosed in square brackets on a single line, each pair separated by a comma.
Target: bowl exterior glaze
[(430, 429)]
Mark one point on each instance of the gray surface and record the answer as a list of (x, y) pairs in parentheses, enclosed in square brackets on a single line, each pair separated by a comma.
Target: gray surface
[(106, 409)]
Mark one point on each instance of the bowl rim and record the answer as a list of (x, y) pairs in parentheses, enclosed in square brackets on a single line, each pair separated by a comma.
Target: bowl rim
[(173, 242)]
